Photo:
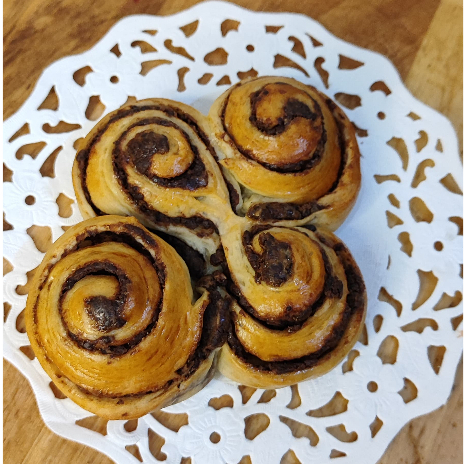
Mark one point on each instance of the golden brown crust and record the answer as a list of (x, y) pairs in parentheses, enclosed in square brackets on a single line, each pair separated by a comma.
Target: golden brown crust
[(279, 336), (112, 319), (281, 154), (153, 160), (293, 151)]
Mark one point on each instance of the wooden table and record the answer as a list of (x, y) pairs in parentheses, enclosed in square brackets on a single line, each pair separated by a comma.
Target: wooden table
[(422, 38)]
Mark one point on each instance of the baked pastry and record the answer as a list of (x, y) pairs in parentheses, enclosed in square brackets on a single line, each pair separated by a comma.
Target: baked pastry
[(153, 160), (290, 150), (299, 304), (114, 315), (115, 323)]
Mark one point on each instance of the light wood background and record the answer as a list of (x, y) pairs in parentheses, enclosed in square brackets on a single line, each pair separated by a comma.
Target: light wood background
[(423, 38)]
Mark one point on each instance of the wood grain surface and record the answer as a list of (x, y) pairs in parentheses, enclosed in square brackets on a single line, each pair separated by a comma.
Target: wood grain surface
[(423, 38)]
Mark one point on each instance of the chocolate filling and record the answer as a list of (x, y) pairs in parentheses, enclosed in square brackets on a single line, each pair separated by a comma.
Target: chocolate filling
[(144, 146), (277, 211), (193, 259), (274, 265), (333, 287), (218, 258), (234, 196), (216, 327), (212, 281), (296, 109), (293, 109), (200, 226), (106, 313), (193, 178), (205, 226), (310, 227), (82, 159), (354, 307)]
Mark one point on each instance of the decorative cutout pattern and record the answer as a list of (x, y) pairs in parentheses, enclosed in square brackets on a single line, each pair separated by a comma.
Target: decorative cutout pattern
[(403, 365)]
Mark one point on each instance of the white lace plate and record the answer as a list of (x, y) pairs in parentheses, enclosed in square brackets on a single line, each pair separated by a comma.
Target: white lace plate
[(405, 230)]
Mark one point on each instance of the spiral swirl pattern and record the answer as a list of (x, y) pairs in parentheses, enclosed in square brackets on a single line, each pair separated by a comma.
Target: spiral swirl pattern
[(113, 320), (299, 304), (291, 151), (113, 317), (153, 160)]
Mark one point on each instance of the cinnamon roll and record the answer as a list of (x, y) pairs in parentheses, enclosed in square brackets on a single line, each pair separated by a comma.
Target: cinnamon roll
[(299, 304), (290, 149), (153, 160), (114, 321)]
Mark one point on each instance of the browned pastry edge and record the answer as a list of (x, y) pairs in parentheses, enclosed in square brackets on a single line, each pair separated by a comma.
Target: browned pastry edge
[(250, 370), (291, 112), (325, 211), (196, 371), (199, 225)]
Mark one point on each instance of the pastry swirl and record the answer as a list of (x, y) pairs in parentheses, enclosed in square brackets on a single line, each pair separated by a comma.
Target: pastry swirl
[(299, 305), (113, 320), (112, 315), (291, 150), (153, 160)]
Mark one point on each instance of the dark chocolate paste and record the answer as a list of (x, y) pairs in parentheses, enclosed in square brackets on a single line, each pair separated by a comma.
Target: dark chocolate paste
[(82, 159), (193, 178), (292, 110), (144, 146), (206, 226), (310, 227), (218, 258), (200, 226), (212, 281), (341, 144), (354, 306), (193, 259), (275, 265), (333, 287), (234, 196), (107, 313), (277, 211), (216, 327)]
